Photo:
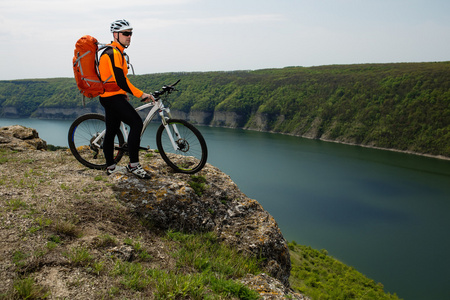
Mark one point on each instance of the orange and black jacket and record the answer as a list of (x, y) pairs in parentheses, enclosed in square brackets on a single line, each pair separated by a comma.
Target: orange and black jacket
[(113, 64)]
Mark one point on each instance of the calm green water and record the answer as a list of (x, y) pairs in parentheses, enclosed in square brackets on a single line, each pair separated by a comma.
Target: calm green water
[(384, 213)]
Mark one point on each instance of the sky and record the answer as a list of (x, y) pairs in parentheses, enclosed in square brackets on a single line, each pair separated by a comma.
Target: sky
[(38, 36)]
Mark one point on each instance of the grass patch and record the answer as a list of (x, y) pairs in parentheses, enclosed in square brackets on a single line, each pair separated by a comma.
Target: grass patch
[(16, 204), (26, 288), (142, 254), (198, 184), (204, 253), (320, 276), (67, 228), (79, 256), (19, 258), (4, 157), (205, 269), (100, 178), (105, 240), (96, 267), (174, 285)]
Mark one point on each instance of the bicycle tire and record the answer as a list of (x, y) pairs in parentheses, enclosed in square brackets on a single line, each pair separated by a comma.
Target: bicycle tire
[(192, 152), (81, 134)]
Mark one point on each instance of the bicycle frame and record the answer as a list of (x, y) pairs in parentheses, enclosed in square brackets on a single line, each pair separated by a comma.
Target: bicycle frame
[(158, 106)]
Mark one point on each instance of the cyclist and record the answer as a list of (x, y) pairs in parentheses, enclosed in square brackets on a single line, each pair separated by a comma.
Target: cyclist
[(116, 102)]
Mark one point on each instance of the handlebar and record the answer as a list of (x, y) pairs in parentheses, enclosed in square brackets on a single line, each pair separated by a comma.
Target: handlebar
[(166, 89)]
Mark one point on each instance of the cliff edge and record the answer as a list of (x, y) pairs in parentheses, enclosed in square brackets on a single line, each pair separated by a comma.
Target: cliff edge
[(54, 211)]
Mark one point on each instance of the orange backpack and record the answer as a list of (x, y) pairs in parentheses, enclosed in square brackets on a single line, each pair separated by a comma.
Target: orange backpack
[(85, 67)]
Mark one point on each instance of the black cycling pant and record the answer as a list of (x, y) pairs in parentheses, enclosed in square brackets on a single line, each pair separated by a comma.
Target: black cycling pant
[(118, 109)]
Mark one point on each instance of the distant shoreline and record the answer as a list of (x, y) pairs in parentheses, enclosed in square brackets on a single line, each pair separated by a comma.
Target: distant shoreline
[(440, 157), (393, 150)]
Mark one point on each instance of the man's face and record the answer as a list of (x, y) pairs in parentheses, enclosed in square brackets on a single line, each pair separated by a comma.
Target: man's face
[(124, 37)]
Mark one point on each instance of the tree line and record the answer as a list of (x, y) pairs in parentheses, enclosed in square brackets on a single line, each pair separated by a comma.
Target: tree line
[(403, 106)]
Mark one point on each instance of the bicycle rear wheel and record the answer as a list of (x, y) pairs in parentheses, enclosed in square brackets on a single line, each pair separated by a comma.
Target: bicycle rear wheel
[(82, 133), (191, 153)]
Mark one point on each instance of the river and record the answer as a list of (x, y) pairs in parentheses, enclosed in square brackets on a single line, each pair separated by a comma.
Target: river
[(384, 213)]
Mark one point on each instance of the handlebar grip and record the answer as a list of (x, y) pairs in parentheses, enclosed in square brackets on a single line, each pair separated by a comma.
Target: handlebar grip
[(165, 89)]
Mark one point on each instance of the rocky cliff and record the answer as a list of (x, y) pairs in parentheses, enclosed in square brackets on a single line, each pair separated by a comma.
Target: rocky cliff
[(64, 113), (169, 202), (208, 118), (75, 208)]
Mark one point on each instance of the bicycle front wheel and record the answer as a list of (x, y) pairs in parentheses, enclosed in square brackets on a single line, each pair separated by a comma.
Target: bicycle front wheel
[(85, 144), (190, 153)]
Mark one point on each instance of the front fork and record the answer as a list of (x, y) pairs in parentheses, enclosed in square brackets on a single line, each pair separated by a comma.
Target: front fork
[(166, 115)]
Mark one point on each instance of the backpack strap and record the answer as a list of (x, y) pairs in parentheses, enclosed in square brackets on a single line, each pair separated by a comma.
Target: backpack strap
[(124, 55), (127, 58)]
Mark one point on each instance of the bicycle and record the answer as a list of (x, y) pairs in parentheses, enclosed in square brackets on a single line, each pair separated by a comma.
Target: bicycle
[(179, 143)]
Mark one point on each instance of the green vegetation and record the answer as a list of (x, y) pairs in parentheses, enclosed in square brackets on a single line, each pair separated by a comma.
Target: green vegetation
[(322, 277), (397, 106), (27, 289), (204, 253), (198, 184)]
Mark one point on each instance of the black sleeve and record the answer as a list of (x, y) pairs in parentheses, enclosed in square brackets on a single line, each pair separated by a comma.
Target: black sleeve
[(121, 80)]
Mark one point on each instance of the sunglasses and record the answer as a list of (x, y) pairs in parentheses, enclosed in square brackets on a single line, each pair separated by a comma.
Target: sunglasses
[(127, 33)]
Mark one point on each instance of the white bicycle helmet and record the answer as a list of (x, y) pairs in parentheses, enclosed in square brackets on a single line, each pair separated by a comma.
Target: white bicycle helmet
[(120, 25)]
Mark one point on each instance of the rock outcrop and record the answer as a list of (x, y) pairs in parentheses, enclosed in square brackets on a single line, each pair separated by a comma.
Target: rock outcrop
[(216, 204), (19, 138)]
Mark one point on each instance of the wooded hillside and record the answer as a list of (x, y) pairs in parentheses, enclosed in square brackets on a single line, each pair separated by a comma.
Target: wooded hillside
[(397, 106)]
